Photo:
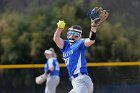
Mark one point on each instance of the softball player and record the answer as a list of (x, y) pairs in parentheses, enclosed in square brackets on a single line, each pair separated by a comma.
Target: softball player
[(74, 50), (51, 74)]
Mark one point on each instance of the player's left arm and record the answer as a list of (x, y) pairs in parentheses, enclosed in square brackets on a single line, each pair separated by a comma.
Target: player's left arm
[(91, 40), (51, 66), (97, 16)]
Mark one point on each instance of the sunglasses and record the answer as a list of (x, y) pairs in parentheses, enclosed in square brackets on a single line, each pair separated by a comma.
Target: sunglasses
[(76, 34)]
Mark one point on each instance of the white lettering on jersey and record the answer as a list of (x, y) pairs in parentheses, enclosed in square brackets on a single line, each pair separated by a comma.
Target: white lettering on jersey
[(65, 54)]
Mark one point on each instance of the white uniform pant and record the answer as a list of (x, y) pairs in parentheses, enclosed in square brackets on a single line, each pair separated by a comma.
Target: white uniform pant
[(82, 84), (51, 84)]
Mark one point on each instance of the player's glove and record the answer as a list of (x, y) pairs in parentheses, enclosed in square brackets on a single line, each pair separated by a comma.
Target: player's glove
[(61, 24), (40, 79), (98, 15)]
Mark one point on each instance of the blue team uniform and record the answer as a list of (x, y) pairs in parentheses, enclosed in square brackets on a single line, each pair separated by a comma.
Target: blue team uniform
[(52, 62), (74, 56)]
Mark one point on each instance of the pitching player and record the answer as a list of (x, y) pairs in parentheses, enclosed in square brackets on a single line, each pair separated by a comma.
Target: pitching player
[(51, 74), (74, 50)]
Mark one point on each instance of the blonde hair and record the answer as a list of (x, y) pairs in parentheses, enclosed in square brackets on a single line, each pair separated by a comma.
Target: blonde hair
[(53, 51)]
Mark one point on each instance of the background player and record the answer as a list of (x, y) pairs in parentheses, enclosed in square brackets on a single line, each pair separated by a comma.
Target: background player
[(51, 74)]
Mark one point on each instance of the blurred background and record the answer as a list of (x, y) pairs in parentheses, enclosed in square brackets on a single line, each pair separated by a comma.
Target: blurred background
[(27, 28)]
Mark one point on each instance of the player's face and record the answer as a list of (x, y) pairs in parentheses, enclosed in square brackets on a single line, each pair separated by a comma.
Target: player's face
[(73, 35), (48, 56)]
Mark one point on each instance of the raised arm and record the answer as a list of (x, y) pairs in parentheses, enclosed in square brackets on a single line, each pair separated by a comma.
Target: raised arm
[(91, 40), (57, 35), (97, 16), (57, 39)]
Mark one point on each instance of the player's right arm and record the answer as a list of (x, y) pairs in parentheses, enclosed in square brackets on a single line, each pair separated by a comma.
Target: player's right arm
[(57, 35), (57, 39)]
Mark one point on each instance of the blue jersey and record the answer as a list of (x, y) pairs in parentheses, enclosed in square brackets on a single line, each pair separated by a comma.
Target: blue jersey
[(52, 62), (74, 56)]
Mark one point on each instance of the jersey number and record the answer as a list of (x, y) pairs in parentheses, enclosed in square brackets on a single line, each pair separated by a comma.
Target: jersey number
[(66, 61)]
